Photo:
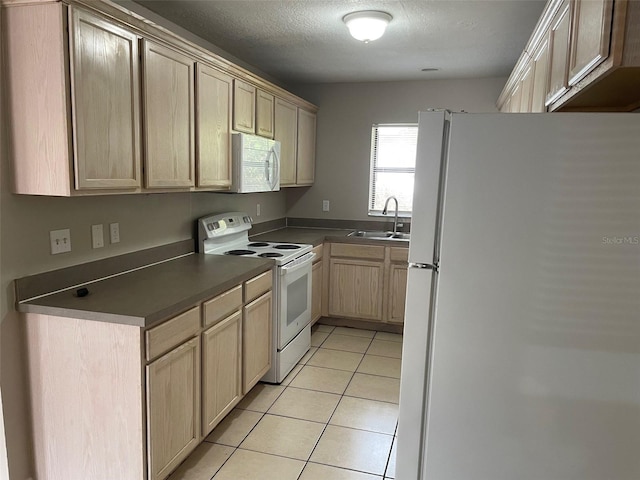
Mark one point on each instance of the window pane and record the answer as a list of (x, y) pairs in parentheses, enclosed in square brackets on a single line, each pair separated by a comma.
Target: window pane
[(397, 146), (393, 159), (399, 185)]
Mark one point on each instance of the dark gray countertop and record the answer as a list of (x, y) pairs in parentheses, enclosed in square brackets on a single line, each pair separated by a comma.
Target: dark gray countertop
[(152, 294), (316, 236)]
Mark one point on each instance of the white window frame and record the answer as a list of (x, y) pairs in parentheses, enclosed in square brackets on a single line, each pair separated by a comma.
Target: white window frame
[(373, 168)]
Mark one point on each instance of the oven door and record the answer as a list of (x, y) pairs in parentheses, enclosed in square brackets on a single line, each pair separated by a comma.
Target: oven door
[(294, 308)]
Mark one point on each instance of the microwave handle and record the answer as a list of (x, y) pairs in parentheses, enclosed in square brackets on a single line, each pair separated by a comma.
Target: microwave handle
[(276, 169)]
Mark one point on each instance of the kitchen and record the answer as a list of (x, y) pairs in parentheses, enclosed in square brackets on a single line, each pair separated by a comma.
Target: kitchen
[(24, 218)]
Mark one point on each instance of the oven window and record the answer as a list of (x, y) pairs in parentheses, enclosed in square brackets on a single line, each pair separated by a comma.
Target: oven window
[(296, 299)]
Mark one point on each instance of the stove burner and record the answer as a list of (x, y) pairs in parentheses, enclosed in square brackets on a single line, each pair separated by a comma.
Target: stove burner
[(270, 255), (239, 252), (258, 244), (287, 247)]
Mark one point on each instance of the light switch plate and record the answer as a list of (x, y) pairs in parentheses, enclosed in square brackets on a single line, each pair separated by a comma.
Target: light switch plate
[(114, 232), (60, 241), (97, 236)]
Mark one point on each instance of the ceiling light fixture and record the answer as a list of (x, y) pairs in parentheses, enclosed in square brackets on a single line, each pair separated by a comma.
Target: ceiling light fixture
[(368, 25)]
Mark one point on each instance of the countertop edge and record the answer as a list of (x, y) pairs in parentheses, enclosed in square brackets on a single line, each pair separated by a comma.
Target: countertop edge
[(37, 306)]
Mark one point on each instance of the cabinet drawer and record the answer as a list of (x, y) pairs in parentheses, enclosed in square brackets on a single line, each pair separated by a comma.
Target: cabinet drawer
[(357, 251), (173, 332), (221, 306), (257, 286), (399, 254), (318, 251)]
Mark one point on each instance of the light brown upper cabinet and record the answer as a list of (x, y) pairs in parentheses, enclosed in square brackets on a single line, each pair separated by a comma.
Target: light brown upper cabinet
[(526, 88), (559, 36), (589, 49), (100, 101), (244, 106), (306, 149), (74, 114), (285, 131), (214, 91), (168, 85), (264, 113), (106, 99), (540, 77), (590, 38)]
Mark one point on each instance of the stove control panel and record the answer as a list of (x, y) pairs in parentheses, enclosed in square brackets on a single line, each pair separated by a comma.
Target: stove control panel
[(223, 227)]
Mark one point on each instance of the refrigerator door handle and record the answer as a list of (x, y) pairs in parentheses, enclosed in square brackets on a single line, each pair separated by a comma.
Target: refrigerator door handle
[(426, 266)]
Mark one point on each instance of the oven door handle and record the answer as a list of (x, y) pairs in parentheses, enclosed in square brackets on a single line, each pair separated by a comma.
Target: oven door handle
[(298, 263)]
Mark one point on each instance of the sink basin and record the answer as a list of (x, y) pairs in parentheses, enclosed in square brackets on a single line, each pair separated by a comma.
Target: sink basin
[(377, 235)]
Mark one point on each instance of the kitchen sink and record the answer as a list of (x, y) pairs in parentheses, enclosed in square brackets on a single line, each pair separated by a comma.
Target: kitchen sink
[(378, 235)]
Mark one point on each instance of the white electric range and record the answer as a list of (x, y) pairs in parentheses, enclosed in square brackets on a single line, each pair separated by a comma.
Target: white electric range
[(227, 234)]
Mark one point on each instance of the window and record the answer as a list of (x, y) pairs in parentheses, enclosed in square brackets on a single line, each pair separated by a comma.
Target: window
[(393, 164)]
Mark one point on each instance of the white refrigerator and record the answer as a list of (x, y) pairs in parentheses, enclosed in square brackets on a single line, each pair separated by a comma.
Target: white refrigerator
[(521, 356)]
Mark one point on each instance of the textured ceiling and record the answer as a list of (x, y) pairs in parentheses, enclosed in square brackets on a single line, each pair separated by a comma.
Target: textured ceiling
[(305, 41)]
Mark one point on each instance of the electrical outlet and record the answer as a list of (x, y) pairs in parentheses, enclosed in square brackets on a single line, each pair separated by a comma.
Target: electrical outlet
[(114, 232), (325, 205), (258, 210), (60, 241), (97, 236)]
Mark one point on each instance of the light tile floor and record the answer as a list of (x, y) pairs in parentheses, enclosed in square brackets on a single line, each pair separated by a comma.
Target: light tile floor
[(333, 418)]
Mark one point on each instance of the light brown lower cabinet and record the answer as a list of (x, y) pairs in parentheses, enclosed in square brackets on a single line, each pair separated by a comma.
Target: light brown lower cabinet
[(316, 291), (173, 408), (256, 341), (221, 370), (367, 282), (127, 403)]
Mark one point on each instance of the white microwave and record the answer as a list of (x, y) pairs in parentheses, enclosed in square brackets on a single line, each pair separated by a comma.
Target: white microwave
[(256, 164)]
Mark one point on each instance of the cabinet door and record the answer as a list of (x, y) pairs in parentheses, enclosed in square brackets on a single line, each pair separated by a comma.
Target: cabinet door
[(256, 341), (264, 114), (173, 408), (559, 36), (516, 96), (214, 91), (306, 153), (591, 36), (540, 77), (168, 117), (526, 89), (221, 370), (397, 292), (244, 106), (316, 291), (106, 103), (286, 132), (356, 288)]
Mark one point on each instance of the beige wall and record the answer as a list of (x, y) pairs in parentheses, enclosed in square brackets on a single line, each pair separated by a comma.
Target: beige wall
[(346, 114), (145, 221)]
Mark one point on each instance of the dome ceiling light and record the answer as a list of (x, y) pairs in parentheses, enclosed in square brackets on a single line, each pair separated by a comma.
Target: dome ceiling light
[(368, 25)]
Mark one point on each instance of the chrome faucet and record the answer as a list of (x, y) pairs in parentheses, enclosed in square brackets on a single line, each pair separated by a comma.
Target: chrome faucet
[(384, 212)]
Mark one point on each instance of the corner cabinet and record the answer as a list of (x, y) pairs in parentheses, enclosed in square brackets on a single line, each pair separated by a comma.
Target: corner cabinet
[(100, 101), (317, 284), (145, 398), (306, 151), (367, 282), (295, 129)]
